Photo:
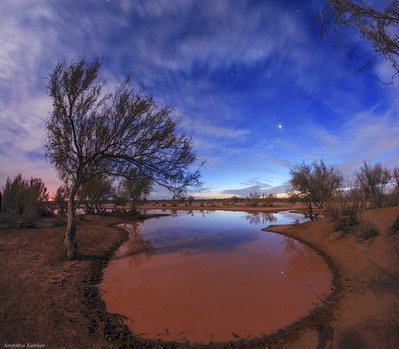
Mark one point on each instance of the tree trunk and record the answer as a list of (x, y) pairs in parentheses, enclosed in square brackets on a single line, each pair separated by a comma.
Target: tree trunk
[(310, 210), (134, 208), (69, 238)]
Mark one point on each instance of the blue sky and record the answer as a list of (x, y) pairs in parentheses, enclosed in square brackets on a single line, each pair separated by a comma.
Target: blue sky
[(254, 84)]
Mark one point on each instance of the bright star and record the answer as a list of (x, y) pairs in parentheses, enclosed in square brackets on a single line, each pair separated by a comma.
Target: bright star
[(280, 126)]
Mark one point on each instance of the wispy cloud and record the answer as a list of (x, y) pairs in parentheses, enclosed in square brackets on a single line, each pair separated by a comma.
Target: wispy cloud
[(203, 128), (232, 70)]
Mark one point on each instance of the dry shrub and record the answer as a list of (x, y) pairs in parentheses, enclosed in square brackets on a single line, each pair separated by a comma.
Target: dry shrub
[(395, 225), (367, 231), (23, 201), (392, 199), (344, 213)]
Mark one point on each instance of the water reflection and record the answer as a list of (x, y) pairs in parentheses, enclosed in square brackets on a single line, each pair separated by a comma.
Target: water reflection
[(212, 276), (258, 218), (222, 231), (300, 264), (136, 249)]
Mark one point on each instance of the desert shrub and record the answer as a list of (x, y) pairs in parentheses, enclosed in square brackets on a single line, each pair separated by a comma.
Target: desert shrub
[(23, 200), (367, 231), (395, 226), (392, 199), (315, 184), (372, 181), (344, 214), (234, 199)]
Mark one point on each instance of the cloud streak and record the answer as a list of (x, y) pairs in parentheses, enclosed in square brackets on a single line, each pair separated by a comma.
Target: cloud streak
[(233, 71)]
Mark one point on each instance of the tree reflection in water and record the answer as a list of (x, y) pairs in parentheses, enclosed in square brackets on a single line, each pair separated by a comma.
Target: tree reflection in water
[(137, 249), (298, 257), (258, 218)]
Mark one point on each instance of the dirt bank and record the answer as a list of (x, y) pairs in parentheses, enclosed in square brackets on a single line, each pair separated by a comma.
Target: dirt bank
[(366, 309), (47, 300), (50, 301)]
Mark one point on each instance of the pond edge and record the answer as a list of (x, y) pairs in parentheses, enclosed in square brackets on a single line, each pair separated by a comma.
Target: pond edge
[(115, 330)]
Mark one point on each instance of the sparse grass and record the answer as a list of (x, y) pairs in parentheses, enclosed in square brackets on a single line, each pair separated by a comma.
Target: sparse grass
[(367, 231), (12, 220), (395, 226)]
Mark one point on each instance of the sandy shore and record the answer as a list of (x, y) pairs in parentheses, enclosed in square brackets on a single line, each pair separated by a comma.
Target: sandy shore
[(365, 311), (47, 300)]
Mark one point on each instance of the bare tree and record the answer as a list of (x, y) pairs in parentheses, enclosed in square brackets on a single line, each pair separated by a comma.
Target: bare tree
[(315, 184), (93, 131), (138, 186), (378, 26), (372, 181)]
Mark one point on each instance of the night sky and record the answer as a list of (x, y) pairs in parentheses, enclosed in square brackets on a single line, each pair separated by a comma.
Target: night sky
[(255, 85)]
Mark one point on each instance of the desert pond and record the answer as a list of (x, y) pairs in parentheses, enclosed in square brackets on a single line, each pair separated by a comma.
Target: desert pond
[(213, 276)]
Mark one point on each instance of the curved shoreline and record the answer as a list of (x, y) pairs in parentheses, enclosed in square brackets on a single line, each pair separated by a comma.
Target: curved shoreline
[(116, 330), (50, 300)]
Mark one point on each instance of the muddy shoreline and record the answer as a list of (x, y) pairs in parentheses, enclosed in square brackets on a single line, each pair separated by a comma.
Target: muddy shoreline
[(49, 300), (116, 331)]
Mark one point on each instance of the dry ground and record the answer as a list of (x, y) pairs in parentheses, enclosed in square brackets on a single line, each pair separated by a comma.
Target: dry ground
[(366, 310), (48, 300)]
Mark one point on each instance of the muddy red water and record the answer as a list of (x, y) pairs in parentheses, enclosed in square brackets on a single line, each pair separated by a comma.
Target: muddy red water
[(213, 277)]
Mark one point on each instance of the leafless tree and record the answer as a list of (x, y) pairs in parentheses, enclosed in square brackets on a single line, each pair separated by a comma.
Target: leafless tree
[(93, 131), (377, 25), (138, 186), (371, 182), (315, 184)]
